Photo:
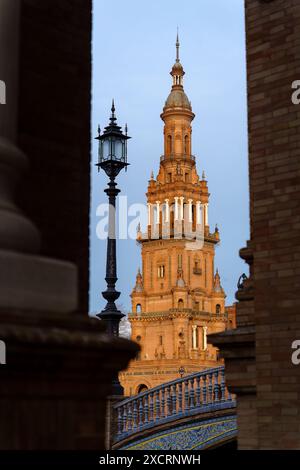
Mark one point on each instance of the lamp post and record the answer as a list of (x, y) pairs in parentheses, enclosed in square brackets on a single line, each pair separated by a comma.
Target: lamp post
[(112, 159)]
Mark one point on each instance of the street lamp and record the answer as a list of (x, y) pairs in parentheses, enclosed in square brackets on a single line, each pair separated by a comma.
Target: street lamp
[(112, 159)]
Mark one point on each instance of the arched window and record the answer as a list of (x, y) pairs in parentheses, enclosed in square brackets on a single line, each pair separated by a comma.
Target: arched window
[(138, 308), (180, 303), (218, 308), (186, 145), (142, 388), (169, 144), (138, 340)]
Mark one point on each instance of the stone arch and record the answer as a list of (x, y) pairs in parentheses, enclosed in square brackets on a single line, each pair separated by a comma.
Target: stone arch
[(142, 387), (138, 308)]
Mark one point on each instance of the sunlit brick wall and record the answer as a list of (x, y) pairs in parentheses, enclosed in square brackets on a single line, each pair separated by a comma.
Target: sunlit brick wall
[(273, 57)]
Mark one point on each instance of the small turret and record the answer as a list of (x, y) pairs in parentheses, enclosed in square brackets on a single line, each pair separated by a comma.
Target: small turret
[(139, 282), (217, 283)]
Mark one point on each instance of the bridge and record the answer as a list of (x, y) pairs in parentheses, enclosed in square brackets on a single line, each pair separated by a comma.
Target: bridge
[(193, 412)]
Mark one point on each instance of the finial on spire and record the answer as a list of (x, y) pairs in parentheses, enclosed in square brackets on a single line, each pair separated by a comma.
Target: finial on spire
[(177, 46), (99, 129), (203, 175), (113, 116), (152, 175), (126, 129)]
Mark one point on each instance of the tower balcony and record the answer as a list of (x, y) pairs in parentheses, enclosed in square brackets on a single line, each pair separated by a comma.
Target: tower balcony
[(177, 157), (167, 231), (174, 312)]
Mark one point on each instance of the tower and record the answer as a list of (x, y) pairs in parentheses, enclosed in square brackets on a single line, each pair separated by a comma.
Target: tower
[(178, 298)]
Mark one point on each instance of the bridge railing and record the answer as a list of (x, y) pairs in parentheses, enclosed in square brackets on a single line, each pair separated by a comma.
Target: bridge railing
[(203, 391)]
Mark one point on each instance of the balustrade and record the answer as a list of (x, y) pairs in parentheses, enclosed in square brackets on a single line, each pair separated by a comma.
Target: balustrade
[(202, 391)]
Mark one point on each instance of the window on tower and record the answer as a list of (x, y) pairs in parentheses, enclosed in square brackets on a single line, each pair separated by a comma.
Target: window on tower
[(161, 271), (169, 144), (138, 308), (197, 269), (218, 308), (186, 145)]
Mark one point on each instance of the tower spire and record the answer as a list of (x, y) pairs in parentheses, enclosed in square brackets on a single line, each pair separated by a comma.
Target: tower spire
[(177, 46)]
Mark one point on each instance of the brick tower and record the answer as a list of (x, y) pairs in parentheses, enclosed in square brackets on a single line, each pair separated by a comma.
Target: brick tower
[(178, 298)]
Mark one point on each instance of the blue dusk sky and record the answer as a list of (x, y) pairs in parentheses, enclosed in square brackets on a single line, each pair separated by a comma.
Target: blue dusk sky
[(133, 52)]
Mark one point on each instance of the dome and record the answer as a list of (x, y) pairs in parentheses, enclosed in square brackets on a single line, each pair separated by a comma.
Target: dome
[(177, 69), (177, 99)]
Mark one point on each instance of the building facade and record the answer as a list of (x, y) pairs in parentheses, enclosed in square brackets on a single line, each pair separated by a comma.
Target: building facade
[(178, 298)]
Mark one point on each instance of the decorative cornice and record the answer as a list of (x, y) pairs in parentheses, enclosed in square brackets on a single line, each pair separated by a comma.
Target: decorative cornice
[(178, 313)]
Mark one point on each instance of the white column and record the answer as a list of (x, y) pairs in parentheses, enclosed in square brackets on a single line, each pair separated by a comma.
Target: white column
[(198, 212), (157, 211), (206, 213), (167, 211), (205, 338), (176, 207), (181, 207), (190, 210), (149, 213), (194, 337)]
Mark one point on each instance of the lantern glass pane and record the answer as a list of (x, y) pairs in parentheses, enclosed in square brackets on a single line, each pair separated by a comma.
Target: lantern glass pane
[(106, 149), (118, 149)]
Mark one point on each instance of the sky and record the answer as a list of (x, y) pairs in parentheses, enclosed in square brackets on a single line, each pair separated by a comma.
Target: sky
[(133, 52)]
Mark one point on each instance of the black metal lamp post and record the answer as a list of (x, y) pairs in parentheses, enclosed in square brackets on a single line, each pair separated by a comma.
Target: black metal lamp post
[(112, 159)]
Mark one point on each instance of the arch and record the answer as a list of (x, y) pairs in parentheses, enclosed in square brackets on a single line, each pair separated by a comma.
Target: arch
[(178, 144), (138, 308), (141, 388), (180, 303), (169, 144), (186, 145), (218, 308)]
